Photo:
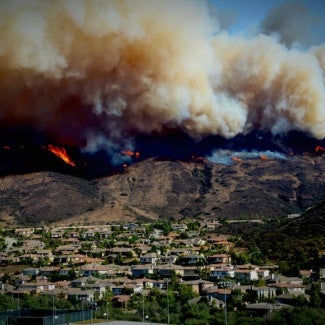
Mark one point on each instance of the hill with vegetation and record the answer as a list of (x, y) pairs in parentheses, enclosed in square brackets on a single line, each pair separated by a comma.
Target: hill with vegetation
[(297, 241)]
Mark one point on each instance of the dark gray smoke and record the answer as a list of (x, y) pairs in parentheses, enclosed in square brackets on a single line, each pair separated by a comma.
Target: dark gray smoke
[(292, 22)]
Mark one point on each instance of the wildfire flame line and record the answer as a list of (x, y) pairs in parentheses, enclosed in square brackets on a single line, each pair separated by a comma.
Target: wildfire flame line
[(61, 153), (130, 153)]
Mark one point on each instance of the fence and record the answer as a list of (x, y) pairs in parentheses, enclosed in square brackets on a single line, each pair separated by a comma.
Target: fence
[(44, 317)]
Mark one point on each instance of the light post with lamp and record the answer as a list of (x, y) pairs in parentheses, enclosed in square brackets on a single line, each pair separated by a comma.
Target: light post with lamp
[(225, 285)]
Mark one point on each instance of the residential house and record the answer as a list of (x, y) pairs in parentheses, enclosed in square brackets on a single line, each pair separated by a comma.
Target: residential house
[(38, 286), (179, 227), (264, 308), (46, 254), (123, 251), (24, 232), (49, 270), (151, 283), (74, 241), (322, 273), (121, 300), (198, 286), (31, 271), (29, 257), (279, 278), (198, 241), (149, 258), (94, 269), (263, 273), (67, 249), (192, 259), (292, 288), (222, 294), (168, 259), (306, 273), (219, 259), (79, 294), (65, 271), (141, 249), (165, 270), (246, 275), (30, 246), (21, 279), (180, 251), (99, 287), (220, 273), (190, 273), (142, 270), (56, 234), (66, 259), (63, 285), (290, 298), (263, 292)]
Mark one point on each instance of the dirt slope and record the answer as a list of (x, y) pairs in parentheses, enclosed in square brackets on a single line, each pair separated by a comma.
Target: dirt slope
[(154, 189)]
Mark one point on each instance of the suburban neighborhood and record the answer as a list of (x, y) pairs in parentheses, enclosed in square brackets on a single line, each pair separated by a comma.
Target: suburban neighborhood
[(114, 265)]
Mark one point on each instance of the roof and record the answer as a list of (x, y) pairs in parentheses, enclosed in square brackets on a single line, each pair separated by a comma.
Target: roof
[(267, 306)]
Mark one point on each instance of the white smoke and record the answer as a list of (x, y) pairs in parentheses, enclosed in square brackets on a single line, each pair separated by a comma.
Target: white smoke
[(228, 157)]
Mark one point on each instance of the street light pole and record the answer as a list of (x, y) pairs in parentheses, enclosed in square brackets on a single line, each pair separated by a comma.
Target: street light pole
[(53, 308), (142, 307), (18, 304), (82, 311), (226, 318), (107, 309), (167, 303)]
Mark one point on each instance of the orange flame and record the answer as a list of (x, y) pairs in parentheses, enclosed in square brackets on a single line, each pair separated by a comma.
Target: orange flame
[(61, 153), (237, 159), (197, 159), (319, 149), (130, 153), (263, 157)]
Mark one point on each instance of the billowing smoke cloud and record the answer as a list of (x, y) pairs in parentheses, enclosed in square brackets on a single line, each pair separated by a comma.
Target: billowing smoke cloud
[(95, 73), (292, 22)]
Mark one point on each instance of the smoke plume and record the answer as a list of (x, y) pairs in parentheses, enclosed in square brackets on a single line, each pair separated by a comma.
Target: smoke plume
[(291, 22), (96, 73)]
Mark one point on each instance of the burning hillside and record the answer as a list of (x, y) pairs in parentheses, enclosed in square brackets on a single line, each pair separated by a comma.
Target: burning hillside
[(107, 78)]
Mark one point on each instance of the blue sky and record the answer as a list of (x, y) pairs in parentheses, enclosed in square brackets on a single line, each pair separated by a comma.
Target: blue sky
[(246, 14)]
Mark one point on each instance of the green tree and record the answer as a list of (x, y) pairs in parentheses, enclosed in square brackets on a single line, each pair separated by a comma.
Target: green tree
[(7, 302), (315, 300)]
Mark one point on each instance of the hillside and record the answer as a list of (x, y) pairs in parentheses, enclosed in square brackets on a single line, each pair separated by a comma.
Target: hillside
[(45, 197), (297, 241), (154, 188)]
